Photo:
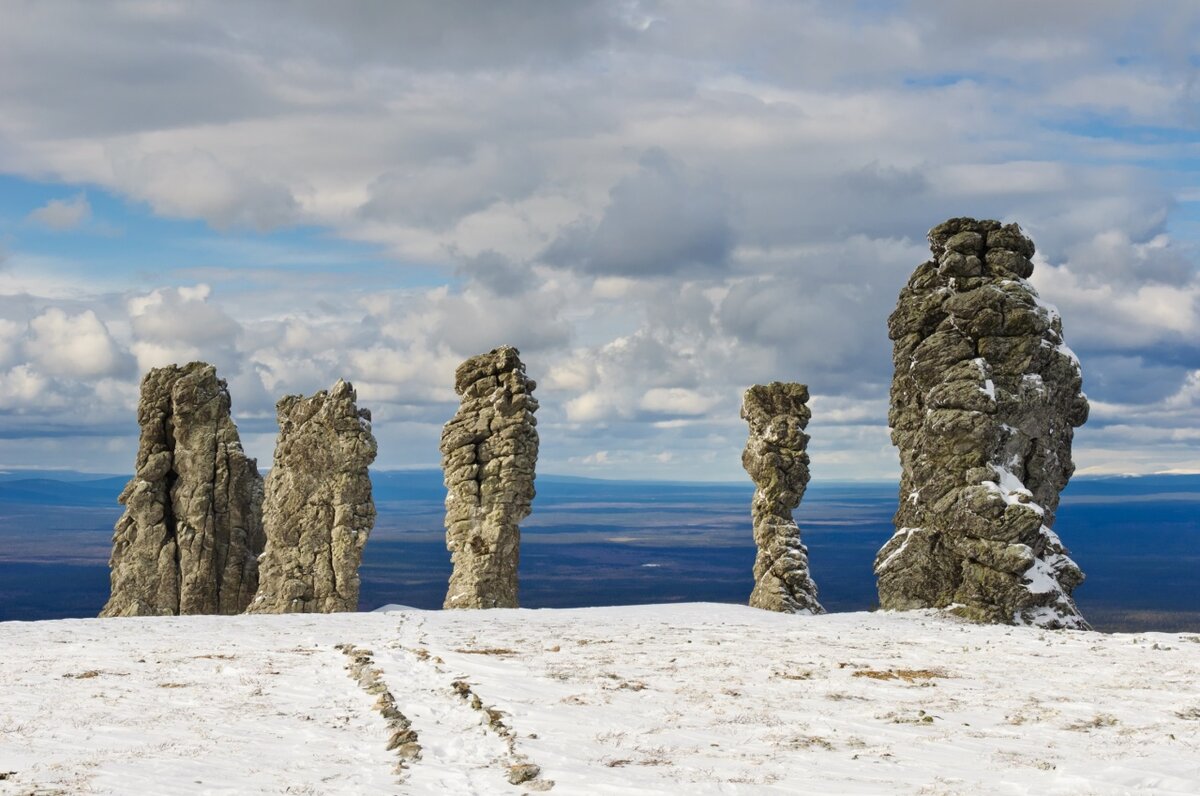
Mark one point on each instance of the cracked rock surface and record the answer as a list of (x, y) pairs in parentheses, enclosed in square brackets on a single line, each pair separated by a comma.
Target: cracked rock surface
[(489, 452), (318, 511), (984, 403), (776, 459), (191, 533)]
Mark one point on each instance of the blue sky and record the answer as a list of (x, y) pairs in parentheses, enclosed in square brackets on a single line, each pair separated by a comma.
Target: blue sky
[(659, 203)]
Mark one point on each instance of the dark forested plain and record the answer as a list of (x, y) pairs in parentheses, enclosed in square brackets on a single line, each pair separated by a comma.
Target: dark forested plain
[(596, 542)]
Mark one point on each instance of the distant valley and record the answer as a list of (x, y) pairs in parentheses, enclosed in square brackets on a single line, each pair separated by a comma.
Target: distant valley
[(596, 542)]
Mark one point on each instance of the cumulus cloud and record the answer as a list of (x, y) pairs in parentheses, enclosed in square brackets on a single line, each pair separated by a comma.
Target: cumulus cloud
[(75, 346), (63, 214), (24, 388), (659, 203), (1116, 316), (178, 325)]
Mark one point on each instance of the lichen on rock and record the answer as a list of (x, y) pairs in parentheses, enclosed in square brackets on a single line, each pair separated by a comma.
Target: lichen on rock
[(191, 532), (777, 460), (984, 403), (318, 511), (489, 454)]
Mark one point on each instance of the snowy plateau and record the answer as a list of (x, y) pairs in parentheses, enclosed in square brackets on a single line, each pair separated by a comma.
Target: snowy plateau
[(655, 699)]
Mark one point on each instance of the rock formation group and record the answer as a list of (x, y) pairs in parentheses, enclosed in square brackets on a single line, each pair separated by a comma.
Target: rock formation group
[(984, 402), (195, 539)]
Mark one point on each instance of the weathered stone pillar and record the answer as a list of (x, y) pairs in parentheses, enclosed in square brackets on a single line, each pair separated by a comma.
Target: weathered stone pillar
[(984, 401), (776, 459), (489, 452), (191, 533), (318, 511)]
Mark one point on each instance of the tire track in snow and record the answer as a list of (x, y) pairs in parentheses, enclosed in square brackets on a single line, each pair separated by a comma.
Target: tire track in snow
[(402, 738), (461, 752)]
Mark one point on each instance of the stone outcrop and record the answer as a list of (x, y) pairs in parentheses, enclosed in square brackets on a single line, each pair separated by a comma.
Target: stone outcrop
[(776, 459), (489, 451), (318, 511), (984, 403), (191, 533)]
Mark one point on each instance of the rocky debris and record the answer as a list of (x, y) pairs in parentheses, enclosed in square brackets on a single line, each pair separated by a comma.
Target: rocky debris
[(984, 403), (776, 460), (402, 738), (318, 511), (489, 451), (520, 769), (191, 533)]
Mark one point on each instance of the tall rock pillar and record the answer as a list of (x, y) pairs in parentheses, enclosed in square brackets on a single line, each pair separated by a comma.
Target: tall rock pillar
[(489, 451), (318, 511), (984, 403), (191, 533), (776, 459)]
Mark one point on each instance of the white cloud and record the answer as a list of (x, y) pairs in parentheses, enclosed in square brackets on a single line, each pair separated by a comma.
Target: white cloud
[(658, 203), (63, 214), (676, 401), (178, 325), (74, 346), (195, 183), (24, 388), (1115, 316)]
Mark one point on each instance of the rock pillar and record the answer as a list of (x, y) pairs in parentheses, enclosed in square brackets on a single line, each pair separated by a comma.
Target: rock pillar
[(191, 533), (776, 459), (984, 403), (318, 511), (489, 451)]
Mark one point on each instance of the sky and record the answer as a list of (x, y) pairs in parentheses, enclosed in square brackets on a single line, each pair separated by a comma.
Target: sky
[(658, 203)]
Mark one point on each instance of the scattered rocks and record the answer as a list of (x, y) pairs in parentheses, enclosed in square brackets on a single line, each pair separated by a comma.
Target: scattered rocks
[(489, 452), (984, 403), (776, 460), (318, 511), (402, 738), (523, 772), (191, 533), (520, 770)]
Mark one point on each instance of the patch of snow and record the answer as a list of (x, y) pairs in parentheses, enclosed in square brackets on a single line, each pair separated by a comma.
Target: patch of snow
[(1034, 382), (1012, 489), (1040, 578), (1063, 349), (906, 534), (656, 699), (1051, 536)]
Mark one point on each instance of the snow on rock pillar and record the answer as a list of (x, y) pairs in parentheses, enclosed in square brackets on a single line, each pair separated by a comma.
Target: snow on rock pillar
[(776, 460), (984, 402), (191, 533), (489, 451), (318, 511)]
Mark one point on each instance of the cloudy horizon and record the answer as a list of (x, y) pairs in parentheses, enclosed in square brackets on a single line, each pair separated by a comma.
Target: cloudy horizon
[(658, 203)]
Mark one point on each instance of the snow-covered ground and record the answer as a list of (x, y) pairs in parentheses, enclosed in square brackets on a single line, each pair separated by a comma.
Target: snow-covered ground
[(696, 698)]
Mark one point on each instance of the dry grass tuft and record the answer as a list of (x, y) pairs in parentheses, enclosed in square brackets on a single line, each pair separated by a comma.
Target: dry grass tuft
[(907, 675)]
